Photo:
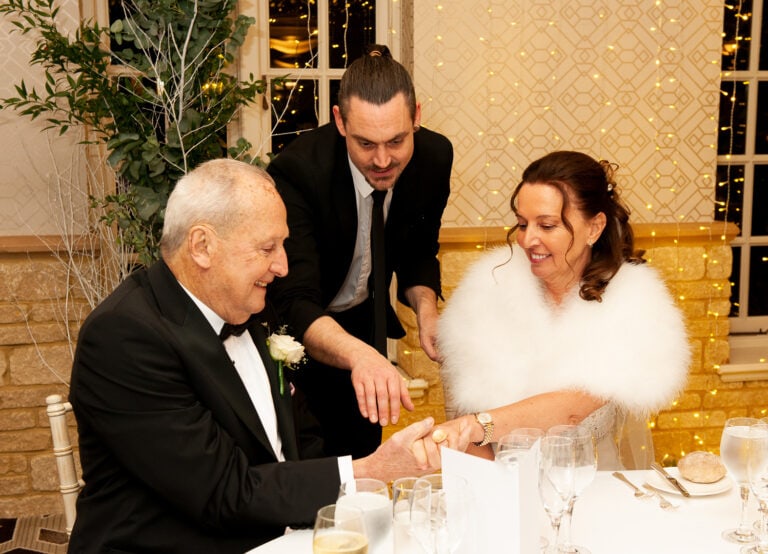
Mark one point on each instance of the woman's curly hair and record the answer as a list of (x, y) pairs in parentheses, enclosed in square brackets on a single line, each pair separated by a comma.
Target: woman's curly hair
[(589, 186)]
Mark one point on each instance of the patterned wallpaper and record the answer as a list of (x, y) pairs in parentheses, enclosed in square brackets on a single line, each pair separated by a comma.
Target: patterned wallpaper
[(40, 172), (632, 81)]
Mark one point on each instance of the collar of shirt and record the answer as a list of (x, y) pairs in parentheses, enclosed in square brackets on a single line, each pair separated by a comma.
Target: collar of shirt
[(213, 318), (364, 189)]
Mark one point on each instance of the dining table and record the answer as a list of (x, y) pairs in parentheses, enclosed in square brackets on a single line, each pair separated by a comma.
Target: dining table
[(608, 518)]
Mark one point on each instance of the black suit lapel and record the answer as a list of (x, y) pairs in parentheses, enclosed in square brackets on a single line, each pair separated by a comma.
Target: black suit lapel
[(207, 359)]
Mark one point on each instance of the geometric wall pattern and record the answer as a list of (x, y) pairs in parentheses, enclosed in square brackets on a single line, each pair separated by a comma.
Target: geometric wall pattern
[(41, 181), (633, 82)]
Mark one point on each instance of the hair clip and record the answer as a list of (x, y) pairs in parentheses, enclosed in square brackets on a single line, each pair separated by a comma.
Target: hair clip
[(610, 187), (374, 53)]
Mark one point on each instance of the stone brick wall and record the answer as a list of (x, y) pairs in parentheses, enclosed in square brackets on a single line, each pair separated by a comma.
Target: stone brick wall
[(35, 361), (695, 261)]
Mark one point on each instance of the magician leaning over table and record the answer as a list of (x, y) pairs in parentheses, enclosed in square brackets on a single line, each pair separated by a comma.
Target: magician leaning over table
[(568, 325), (187, 442)]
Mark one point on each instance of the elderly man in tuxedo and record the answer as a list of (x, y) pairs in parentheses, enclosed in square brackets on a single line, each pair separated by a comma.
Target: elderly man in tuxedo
[(375, 158), (187, 442)]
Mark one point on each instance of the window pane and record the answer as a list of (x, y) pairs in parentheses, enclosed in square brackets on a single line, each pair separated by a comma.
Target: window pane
[(737, 29), (761, 121), (735, 276), (292, 34), (729, 194), (294, 110), (758, 277), (760, 202), (352, 25), (731, 136)]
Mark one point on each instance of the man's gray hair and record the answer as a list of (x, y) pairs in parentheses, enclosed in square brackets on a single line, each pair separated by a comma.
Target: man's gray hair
[(213, 194)]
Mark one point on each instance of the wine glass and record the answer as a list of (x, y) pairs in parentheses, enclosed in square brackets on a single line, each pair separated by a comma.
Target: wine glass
[(372, 497), (757, 473), (516, 443), (556, 480), (734, 452), (446, 499), (403, 514), (339, 530), (585, 468)]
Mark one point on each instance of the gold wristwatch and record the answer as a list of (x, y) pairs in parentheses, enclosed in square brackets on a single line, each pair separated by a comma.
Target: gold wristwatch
[(485, 419)]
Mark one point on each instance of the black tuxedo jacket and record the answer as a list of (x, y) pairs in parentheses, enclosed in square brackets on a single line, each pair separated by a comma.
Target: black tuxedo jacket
[(174, 456), (315, 182)]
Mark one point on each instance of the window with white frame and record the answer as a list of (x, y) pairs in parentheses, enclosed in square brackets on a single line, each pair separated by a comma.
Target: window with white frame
[(742, 171), (303, 50)]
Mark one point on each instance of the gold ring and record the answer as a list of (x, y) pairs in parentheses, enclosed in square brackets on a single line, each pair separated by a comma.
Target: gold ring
[(438, 435)]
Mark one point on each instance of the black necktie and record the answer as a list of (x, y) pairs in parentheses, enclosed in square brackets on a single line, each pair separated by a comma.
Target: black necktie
[(229, 330), (378, 274)]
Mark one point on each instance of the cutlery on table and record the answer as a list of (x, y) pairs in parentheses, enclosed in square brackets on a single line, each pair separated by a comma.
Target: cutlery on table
[(639, 493), (663, 502), (671, 480)]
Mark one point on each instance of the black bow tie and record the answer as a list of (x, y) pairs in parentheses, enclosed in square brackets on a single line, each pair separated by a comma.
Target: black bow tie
[(229, 330)]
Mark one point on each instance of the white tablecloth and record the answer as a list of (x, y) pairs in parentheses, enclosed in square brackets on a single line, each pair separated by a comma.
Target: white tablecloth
[(608, 519)]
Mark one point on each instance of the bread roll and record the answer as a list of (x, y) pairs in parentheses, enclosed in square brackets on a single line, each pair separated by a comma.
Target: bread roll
[(701, 467)]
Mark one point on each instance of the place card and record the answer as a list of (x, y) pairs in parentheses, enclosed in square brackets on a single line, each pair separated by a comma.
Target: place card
[(505, 509)]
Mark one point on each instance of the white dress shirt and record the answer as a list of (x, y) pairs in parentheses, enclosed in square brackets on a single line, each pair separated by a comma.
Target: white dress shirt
[(354, 290)]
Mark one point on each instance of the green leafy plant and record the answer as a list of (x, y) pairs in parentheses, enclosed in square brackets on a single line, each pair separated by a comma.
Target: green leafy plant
[(157, 88)]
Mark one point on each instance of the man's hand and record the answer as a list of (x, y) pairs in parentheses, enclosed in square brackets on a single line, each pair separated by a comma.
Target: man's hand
[(379, 388), (423, 300)]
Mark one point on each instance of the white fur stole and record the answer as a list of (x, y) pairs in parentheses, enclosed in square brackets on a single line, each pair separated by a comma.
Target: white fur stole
[(502, 341)]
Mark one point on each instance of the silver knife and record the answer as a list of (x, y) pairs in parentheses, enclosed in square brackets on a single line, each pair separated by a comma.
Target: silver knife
[(674, 482)]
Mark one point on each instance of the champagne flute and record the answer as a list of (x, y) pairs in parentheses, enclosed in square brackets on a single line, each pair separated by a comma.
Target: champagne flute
[(757, 473), (734, 452), (372, 497), (556, 480), (405, 516), (339, 530), (585, 468)]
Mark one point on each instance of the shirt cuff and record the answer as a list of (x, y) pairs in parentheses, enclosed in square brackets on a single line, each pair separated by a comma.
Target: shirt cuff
[(346, 473)]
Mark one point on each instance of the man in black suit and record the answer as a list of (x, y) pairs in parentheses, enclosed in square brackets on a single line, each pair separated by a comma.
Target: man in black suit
[(186, 442), (328, 178)]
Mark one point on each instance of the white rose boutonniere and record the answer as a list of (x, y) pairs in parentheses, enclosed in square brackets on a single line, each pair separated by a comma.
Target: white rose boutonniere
[(286, 351)]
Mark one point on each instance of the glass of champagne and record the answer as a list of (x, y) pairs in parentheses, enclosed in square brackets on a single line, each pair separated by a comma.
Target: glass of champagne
[(372, 497), (757, 473), (734, 452), (339, 530), (585, 468), (556, 481)]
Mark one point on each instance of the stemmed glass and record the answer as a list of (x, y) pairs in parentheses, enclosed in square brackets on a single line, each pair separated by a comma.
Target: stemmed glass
[(734, 452), (339, 530), (757, 473), (556, 480), (516, 443), (585, 464), (446, 500)]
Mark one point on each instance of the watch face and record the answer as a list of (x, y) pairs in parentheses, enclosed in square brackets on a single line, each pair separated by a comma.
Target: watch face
[(484, 418)]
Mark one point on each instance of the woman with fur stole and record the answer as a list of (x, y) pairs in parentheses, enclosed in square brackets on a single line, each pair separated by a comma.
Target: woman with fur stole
[(565, 327)]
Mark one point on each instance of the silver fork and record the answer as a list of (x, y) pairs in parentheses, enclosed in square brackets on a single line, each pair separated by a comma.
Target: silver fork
[(639, 493), (663, 502)]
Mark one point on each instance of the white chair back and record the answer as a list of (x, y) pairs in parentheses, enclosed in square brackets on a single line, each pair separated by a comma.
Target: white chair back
[(69, 484)]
